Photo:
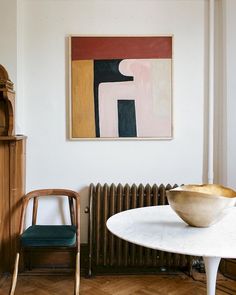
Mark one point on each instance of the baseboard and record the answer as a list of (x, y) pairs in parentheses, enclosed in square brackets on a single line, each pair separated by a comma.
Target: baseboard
[(61, 262)]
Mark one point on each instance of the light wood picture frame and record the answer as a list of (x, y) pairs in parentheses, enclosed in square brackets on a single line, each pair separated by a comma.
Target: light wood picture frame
[(120, 87)]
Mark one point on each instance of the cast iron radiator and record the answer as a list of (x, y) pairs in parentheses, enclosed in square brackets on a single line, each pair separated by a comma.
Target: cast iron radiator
[(110, 254)]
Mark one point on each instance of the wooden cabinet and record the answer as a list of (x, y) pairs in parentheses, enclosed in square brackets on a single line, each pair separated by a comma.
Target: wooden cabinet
[(12, 188), (12, 173), (228, 268)]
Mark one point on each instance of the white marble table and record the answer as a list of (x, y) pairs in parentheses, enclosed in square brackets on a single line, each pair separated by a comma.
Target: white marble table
[(158, 227)]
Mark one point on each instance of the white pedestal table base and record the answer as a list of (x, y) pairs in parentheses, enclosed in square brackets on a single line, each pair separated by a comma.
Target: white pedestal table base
[(211, 266)]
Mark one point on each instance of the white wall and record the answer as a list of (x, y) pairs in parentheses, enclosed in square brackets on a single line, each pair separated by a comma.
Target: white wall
[(10, 56), (8, 45), (52, 160), (8, 31), (35, 52)]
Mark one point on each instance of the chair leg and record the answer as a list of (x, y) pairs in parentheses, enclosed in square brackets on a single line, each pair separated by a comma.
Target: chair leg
[(15, 273), (77, 274)]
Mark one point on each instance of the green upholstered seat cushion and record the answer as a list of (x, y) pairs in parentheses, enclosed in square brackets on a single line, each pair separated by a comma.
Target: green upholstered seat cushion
[(49, 235)]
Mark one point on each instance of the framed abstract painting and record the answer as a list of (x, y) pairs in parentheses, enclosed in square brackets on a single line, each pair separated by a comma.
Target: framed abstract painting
[(121, 87)]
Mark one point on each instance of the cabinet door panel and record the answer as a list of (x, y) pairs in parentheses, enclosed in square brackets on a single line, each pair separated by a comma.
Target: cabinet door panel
[(12, 188), (4, 206)]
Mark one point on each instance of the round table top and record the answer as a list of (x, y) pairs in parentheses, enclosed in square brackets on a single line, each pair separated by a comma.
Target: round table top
[(159, 227)]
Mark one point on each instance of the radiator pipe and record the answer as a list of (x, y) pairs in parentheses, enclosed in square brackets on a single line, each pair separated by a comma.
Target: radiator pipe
[(211, 92)]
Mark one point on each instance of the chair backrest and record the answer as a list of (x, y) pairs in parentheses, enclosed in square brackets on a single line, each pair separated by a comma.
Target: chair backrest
[(74, 206)]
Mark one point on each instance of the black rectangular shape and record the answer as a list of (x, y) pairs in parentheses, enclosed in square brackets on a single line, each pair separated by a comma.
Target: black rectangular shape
[(126, 118)]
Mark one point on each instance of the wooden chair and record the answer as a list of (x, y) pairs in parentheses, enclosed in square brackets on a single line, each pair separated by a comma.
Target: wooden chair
[(50, 236)]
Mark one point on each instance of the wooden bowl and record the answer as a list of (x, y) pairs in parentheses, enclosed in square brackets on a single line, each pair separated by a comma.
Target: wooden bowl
[(201, 205)]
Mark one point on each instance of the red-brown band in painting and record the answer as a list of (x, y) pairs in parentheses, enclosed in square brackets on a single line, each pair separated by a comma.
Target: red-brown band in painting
[(85, 48)]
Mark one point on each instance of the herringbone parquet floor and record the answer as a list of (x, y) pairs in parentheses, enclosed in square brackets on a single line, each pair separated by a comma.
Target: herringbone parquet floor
[(116, 285)]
